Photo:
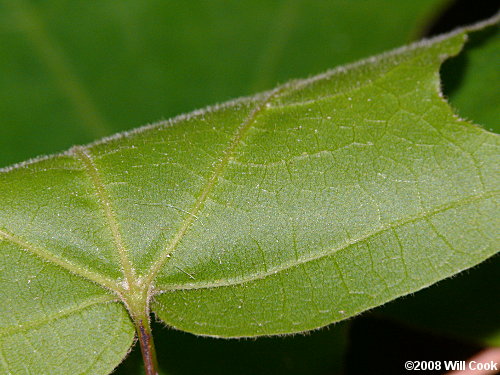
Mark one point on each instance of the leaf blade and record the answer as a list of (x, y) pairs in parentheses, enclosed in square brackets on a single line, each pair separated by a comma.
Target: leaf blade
[(52, 320), (358, 186), (448, 140)]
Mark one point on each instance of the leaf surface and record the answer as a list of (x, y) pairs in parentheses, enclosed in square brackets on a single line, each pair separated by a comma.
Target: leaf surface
[(277, 213), (54, 322)]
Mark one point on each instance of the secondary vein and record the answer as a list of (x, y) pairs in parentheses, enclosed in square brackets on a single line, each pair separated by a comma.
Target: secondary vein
[(211, 182), (65, 264), (102, 194), (58, 315), (329, 252)]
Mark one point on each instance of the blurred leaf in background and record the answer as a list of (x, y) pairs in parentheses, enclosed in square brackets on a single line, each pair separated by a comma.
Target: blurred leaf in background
[(463, 306), (469, 79), (76, 70)]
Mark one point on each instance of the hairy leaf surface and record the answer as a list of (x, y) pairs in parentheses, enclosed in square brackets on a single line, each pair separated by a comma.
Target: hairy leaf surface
[(273, 214)]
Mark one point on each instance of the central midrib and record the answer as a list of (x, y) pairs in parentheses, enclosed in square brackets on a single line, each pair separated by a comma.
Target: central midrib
[(211, 182)]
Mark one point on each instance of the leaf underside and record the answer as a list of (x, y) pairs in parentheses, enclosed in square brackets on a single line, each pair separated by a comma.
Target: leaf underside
[(274, 214)]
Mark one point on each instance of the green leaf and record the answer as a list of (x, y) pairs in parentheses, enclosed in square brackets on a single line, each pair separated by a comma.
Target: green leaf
[(73, 71), (273, 214), (55, 322)]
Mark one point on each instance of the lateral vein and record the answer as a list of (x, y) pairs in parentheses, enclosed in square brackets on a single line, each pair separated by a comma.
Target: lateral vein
[(58, 315), (325, 254), (104, 199), (65, 264)]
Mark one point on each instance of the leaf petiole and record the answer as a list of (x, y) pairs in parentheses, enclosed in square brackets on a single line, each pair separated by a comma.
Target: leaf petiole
[(147, 345)]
